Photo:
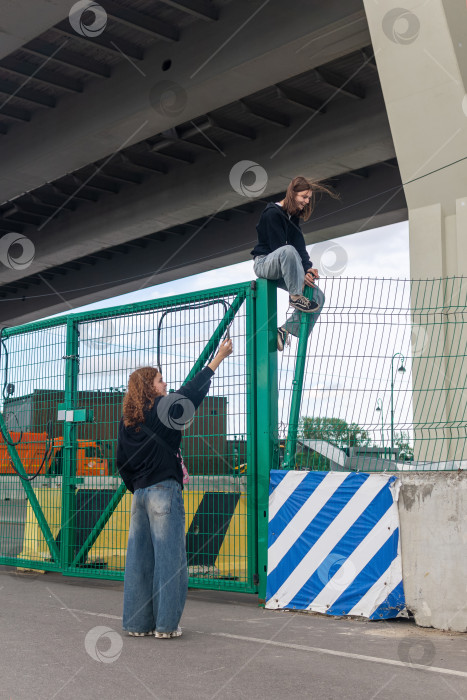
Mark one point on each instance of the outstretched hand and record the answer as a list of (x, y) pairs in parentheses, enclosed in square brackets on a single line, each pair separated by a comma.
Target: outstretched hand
[(225, 349)]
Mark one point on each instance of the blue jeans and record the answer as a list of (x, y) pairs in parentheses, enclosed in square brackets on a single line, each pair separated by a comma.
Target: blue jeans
[(156, 577), (284, 265)]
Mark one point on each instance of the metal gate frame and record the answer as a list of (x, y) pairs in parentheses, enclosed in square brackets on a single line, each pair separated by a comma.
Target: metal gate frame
[(261, 376)]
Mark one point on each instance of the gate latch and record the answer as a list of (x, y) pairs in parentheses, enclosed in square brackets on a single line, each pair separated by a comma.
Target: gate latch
[(75, 415)]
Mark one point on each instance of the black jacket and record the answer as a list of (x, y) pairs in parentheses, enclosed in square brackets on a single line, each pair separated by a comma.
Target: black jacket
[(140, 461), (275, 230)]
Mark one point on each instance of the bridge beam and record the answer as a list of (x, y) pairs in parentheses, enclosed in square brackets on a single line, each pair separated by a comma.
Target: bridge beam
[(210, 66)]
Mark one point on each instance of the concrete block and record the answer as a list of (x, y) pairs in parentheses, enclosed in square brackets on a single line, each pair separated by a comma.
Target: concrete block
[(433, 523)]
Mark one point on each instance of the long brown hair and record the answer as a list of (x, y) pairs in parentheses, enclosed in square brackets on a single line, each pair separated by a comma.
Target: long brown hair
[(140, 395), (301, 184)]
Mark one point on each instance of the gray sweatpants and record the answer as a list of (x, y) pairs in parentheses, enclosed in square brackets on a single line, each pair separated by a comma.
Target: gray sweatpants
[(284, 265)]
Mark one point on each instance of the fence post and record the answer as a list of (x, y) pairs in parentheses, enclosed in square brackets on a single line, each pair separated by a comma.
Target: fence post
[(251, 439), (266, 412), (68, 525), (297, 387)]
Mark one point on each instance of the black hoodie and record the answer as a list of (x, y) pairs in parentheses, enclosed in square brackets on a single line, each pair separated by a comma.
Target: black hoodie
[(275, 230), (140, 461)]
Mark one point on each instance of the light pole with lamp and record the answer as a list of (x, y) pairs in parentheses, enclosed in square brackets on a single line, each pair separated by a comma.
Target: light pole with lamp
[(401, 369), (379, 407)]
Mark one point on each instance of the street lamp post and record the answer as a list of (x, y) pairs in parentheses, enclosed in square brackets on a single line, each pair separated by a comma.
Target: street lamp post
[(379, 407), (401, 369)]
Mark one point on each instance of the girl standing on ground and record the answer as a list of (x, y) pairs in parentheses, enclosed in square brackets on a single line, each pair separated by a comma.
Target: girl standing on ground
[(281, 254), (149, 436)]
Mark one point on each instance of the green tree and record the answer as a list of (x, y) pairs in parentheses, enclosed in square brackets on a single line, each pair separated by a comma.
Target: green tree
[(334, 430)]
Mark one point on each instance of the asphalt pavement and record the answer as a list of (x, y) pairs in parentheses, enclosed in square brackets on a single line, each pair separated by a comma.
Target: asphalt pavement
[(62, 638)]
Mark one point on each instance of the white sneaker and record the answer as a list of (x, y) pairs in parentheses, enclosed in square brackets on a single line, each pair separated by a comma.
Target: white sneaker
[(168, 635), (141, 634)]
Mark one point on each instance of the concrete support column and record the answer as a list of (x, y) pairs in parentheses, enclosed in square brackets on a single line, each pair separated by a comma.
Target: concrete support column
[(421, 54)]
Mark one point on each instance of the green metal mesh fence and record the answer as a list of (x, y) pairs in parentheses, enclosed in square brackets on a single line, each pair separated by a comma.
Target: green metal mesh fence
[(384, 381), (69, 380), (32, 385), (380, 385)]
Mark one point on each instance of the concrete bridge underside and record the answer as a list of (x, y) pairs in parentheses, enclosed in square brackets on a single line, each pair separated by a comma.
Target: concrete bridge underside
[(117, 149)]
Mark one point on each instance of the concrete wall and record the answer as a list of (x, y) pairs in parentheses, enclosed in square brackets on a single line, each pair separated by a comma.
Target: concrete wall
[(433, 524)]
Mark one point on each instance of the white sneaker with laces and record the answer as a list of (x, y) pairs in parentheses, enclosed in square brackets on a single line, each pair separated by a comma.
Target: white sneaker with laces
[(301, 303)]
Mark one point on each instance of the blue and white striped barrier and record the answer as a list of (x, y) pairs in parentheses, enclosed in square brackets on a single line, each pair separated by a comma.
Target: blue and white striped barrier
[(334, 544)]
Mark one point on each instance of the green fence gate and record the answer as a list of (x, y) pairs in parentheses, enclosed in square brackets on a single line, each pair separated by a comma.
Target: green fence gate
[(63, 385), (380, 385)]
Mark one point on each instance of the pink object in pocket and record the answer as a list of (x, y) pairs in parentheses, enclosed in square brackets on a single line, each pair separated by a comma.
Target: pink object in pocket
[(186, 476)]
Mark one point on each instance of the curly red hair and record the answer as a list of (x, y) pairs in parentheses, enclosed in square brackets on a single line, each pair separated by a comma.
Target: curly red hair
[(140, 395)]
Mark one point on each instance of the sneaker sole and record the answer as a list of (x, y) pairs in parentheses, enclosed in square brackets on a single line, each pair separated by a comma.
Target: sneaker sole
[(280, 342), (168, 635)]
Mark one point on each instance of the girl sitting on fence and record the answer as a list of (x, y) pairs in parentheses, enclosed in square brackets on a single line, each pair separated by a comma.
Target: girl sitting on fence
[(281, 255)]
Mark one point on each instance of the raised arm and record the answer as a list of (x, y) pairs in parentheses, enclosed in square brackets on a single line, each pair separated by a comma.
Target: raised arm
[(224, 351)]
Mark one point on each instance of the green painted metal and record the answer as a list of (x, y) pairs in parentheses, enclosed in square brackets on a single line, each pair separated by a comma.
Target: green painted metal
[(352, 348), (99, 526), (297, 388), (251, 454), (70, 445), (217, 335), (210, 346), (126, 310), (266, 413), (35, 505)]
